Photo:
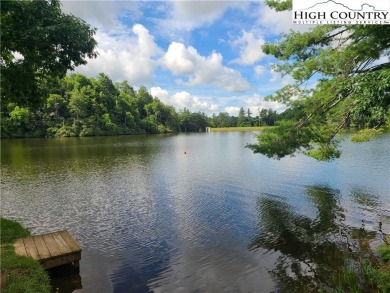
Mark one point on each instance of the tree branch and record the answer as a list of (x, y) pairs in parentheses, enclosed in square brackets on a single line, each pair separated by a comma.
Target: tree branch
[(341, 125), (374, 68)]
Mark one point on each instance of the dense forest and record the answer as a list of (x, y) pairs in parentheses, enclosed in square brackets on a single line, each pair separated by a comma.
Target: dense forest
[(82, 106)]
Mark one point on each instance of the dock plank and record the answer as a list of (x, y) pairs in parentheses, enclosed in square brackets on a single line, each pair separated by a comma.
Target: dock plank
[(19, 247), (62, 245), (41, 247), (51, 250), (30, 248), (70, 241), (51, 245)]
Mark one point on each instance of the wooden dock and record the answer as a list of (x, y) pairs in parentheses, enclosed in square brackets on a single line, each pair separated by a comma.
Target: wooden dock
[(51, 250)]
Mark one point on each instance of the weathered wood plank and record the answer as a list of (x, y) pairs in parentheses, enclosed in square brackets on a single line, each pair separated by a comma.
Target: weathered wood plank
[(51, 250), (19, 247), (70, 241), (62, 245), (51, 245), (30, 248), (61, 260), (41, 247)]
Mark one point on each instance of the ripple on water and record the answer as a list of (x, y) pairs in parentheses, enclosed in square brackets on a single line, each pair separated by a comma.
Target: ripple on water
[(150, 218)]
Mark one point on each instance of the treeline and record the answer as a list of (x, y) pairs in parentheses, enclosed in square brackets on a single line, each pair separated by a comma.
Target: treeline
[(83, 106), (265, 117)]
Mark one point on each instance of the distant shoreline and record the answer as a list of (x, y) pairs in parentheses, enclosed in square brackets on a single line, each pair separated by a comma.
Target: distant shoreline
[(248, 128)]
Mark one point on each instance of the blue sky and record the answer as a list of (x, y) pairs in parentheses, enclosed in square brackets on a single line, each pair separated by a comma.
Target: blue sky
[(203, 55)]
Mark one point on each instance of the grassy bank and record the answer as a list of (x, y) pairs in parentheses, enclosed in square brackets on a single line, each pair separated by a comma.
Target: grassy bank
[(23, 274), (225, 129)]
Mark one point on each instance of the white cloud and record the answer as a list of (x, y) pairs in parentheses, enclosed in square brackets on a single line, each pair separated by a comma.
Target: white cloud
[(125, 57), (159, 93), (199, 12), (231, 105), (276, 77), (180, 60), (183, 99), (101, 13), (185, 16), (259, 70), (250, 48), (202, 70), (232, 111), (256, 102), (278, 22)]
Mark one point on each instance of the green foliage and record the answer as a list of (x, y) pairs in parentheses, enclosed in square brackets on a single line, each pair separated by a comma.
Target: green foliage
[(384, 251), (81, 106), (360, 276), (324, 152), (23, 273), (279, 5), (282, 140), (365, 135), (11, 230), (48, 42), (352, 87)]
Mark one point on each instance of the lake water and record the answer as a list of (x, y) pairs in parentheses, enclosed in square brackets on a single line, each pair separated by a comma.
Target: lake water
[(195, 212)]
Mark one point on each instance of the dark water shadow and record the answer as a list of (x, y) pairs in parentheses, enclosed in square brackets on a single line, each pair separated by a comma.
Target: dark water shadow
[(65, 279)]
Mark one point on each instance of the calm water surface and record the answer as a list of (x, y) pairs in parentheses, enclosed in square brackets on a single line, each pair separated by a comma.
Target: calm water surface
[(217, 219)]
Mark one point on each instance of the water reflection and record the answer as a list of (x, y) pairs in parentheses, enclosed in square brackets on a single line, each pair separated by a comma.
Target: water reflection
[(37, 158), (311, 248), (141, 266)]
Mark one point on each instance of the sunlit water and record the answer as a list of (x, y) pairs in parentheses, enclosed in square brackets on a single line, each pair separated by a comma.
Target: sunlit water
[(191, 213)]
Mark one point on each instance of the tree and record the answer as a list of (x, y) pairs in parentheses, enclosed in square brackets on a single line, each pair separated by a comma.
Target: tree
[(184, 118), (39, 42), (241, 117), (18, 121), (352, 87), (144, 98), (249, 113)]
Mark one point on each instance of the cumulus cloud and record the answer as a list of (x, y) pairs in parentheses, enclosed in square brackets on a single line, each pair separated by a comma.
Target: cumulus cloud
[(276, 77), (159, 93), (101, 13), (183, 99), (259, 70), (185, 16), (232, 111), (231, 105), (202, 70), (124, 56), (256, 103), (278, 22), (250, 48)]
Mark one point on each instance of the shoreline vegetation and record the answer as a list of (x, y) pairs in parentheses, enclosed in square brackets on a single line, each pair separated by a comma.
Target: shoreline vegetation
[(21, 274), (243, 128), (79, 106)]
